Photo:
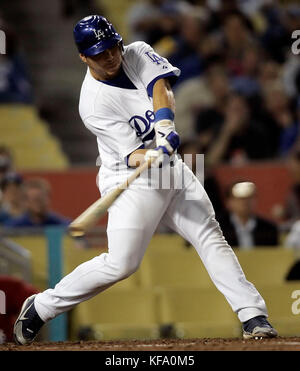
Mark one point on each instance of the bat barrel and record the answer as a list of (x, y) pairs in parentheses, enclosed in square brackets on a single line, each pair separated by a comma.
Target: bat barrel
[(76, 231)]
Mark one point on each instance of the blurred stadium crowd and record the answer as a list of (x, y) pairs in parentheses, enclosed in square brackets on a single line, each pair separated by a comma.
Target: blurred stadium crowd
[(237, 99), (24, 203), (240, 82)]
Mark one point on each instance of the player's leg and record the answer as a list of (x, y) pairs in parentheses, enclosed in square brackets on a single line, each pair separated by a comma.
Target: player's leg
[(191, 214), (132, 221), (96, 275)]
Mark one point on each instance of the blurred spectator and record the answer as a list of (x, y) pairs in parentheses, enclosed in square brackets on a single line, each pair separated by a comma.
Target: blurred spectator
[(14, 80), (280, 23), (12, 202), (293, 241), (37, 206), (291, 76), (6, 161), (292, 17), (206, 93), (151, 20), (281, 121), (218, 11), (247, 83), (290, 212), (269, 74), (274, 34), (232, 133), (142, 18), (240, 225), (186, 54), (80, 8), (16, 291), (237, 38)]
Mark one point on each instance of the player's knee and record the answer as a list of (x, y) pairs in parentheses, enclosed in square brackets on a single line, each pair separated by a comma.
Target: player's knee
[(127, 270), (119, 269)]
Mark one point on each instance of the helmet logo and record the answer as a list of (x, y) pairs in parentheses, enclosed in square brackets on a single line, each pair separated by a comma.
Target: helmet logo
[(99, 34)]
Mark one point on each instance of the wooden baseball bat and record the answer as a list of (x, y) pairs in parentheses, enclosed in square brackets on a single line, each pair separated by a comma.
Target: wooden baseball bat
[(89, 218)]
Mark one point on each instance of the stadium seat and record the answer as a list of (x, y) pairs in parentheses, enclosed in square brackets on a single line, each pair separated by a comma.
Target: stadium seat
[(266, 266), (32, 144), (169, 262), (167, 243), (38, 248), (116, 311), (197, 312), (179, 268)]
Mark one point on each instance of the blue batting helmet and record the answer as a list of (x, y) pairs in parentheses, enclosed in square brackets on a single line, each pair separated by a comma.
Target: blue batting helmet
[(94, 34)]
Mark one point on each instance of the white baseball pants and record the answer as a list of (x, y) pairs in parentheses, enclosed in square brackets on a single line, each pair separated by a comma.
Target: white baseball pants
[(133, 219)]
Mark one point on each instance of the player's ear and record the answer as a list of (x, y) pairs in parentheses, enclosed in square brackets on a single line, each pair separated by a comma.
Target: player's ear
[(82, 57)]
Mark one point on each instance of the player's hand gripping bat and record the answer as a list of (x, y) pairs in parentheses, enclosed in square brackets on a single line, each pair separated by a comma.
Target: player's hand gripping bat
[(89, 218)]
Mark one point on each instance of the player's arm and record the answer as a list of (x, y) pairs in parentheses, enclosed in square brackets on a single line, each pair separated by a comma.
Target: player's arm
[(164, 109), (163, 96), (166, 137)]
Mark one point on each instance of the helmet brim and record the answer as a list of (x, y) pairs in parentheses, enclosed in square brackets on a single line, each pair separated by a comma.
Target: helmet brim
[(101, 46)]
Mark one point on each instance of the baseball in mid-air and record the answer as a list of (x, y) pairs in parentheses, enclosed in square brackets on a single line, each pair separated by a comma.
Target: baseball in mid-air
[(243, 189)]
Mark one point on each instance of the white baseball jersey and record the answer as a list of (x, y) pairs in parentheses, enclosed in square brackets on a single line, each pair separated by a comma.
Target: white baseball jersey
[(120, 111)]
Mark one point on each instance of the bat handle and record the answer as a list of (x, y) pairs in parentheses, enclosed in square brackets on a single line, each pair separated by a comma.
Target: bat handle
[(146, 165)]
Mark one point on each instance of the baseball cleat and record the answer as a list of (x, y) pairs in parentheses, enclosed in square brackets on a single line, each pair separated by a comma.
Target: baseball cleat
[(257, 328), (28, 323)]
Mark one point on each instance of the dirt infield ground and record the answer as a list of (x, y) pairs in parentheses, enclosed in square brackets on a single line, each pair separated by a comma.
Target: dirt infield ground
[(278, 344)]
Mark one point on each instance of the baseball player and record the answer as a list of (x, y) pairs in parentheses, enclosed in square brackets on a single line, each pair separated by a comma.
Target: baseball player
[(126, 100)]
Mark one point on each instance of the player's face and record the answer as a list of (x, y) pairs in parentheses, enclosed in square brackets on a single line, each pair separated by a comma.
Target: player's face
[(105, 65)]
